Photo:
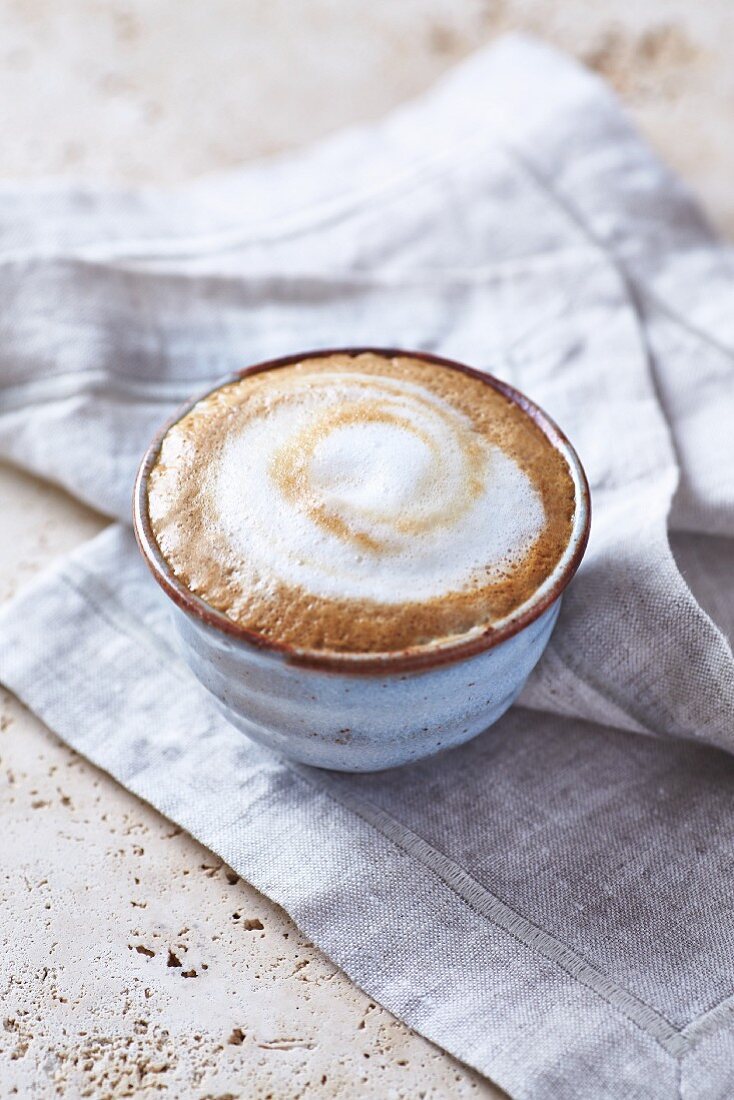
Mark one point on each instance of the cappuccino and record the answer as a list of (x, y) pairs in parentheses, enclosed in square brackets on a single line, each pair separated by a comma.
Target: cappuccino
[(361, 503)]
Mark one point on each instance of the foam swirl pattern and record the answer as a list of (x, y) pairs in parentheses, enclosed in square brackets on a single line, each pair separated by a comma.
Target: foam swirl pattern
[(360, 503), (370, 488)]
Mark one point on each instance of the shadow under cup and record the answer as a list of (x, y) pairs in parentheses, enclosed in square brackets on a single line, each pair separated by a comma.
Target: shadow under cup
[(365, 712)]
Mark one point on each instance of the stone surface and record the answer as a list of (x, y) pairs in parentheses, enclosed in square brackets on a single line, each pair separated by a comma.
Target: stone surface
[(128, 89), (133, 962)]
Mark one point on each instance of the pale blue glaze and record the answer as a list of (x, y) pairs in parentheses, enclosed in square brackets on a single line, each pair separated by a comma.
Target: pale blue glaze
[(359, 721)]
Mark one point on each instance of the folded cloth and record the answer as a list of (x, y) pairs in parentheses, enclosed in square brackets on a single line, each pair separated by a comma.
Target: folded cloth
[(549, 903)]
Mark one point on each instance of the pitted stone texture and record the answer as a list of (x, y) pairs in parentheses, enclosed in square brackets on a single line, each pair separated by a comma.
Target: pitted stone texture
[(135, 962), (159, 92), (101, 897)]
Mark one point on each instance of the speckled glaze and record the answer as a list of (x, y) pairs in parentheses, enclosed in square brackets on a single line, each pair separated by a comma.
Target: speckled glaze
[(359, 722), (365, 712)]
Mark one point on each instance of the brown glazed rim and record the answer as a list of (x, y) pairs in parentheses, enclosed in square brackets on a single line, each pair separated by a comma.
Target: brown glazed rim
[(418, 657)]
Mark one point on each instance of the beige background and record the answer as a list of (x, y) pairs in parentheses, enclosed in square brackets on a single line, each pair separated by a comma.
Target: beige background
[(133, 963)]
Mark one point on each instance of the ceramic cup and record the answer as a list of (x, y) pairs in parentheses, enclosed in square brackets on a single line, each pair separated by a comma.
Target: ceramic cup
[(366, 712)]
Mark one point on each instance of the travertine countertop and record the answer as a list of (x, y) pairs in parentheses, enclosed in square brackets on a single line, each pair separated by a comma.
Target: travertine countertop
[(133, 962)]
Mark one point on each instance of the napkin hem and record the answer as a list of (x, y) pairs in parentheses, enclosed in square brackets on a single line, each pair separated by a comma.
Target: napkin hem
[(572, 978)]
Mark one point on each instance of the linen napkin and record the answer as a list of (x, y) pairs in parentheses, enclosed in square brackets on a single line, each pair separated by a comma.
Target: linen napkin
[(551, 902)]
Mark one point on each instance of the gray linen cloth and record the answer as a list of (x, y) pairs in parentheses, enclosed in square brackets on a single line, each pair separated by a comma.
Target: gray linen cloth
[(551, 903)]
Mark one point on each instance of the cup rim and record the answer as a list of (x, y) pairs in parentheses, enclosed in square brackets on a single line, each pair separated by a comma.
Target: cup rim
[(420, 657)]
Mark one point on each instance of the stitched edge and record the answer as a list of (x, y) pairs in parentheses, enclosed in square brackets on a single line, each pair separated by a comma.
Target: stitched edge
[(676, 1041), (492, 908)]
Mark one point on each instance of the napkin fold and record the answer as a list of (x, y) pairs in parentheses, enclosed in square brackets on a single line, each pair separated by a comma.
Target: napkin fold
[(549, 902)]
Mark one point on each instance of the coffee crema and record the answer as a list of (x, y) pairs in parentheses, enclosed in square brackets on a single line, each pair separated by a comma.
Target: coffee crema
[(361, 503)]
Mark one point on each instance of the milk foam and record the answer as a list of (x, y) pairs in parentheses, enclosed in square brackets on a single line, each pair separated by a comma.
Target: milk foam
[(357, 486)]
